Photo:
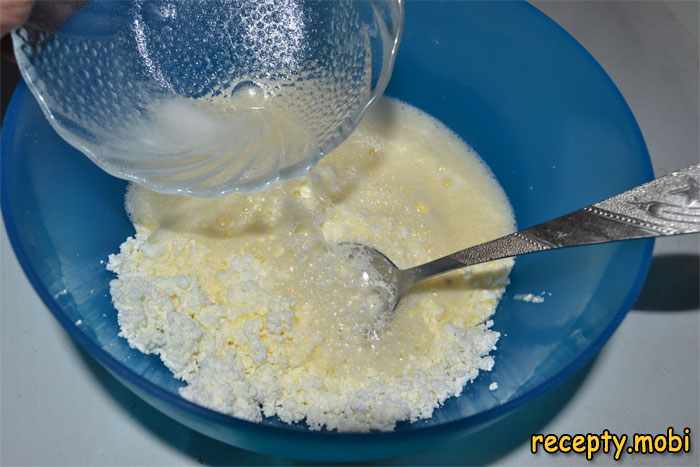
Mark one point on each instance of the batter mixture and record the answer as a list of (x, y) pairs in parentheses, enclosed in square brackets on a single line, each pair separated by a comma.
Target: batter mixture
[(250, 300)]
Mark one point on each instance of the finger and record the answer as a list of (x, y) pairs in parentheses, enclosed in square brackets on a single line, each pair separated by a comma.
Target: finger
[(13, 13)]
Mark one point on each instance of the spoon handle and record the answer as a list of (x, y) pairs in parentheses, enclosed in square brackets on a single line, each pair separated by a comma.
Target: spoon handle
[(669, 205)]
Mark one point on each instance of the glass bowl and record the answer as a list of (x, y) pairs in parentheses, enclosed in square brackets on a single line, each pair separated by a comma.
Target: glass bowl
[(535, 105), (206, 97)]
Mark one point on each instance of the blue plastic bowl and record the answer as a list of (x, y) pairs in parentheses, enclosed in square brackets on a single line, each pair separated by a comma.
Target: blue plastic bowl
[(535, 105)]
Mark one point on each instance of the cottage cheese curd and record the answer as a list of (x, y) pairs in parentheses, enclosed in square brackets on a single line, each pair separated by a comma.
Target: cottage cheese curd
[(249, 300)]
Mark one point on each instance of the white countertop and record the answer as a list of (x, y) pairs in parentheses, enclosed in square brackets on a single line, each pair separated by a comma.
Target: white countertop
[(61, 408)]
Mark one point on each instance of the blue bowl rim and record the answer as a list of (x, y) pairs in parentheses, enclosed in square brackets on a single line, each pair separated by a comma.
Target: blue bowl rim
[(113, 365)]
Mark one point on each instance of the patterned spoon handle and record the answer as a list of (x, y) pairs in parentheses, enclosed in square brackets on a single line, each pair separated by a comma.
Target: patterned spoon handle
[(669, 205)]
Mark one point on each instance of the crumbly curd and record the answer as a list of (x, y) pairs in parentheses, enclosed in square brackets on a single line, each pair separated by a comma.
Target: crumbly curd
[(250, 300)]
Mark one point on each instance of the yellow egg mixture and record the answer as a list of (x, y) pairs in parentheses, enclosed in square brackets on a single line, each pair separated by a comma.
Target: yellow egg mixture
[(249, 300)]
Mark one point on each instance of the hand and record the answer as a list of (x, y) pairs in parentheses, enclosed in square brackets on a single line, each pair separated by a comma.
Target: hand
[(13, 13)]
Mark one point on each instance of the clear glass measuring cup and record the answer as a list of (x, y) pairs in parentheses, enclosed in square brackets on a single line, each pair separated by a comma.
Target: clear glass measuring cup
[(207, 96)]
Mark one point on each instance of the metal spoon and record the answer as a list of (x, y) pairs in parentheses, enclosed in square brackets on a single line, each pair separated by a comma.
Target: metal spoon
[(669, 205)]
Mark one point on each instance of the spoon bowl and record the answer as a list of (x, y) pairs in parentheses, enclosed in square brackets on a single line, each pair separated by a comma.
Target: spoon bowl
[(387, 280)]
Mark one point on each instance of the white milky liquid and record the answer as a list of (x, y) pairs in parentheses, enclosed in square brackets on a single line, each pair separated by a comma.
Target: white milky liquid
[(212, 145)]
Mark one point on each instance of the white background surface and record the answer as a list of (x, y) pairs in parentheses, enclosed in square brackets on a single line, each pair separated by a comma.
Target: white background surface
[(59, 408)]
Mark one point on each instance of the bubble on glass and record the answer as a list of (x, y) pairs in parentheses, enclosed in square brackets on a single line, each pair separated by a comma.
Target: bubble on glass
[(249, 95)]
